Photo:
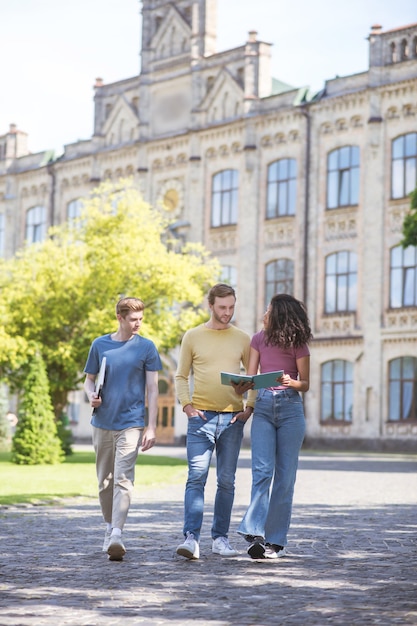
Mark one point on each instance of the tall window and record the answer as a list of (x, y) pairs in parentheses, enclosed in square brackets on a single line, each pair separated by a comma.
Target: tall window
[(35, 224), (282, 185), (2, 233), (404, 165), (279, 278), (341, 282), (74, 209), (224, 198), (403, 389), (229, 275), (343, 177), (336, 391), (403, 277)]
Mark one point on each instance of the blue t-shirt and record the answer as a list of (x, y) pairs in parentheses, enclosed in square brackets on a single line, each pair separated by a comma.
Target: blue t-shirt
[(123, 391)]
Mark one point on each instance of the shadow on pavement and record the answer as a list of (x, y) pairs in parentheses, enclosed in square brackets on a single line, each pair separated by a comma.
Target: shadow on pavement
[(346, 565)]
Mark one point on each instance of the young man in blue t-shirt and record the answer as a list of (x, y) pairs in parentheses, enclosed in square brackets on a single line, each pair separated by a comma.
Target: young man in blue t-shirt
[(118, 420)]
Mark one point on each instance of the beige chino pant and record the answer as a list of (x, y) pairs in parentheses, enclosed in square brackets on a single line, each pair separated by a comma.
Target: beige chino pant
[(116, 454)]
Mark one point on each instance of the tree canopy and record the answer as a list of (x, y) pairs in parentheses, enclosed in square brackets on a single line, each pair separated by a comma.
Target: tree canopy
[(61, 293)]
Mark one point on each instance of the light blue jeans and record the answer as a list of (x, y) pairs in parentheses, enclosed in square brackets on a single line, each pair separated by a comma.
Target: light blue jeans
[(203, 436), (277, 434)]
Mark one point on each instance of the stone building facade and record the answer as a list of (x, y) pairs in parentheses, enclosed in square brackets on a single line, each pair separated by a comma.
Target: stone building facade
[(292, 191)]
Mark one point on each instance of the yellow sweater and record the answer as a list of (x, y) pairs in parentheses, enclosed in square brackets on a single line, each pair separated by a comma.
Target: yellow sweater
[(205, 353)]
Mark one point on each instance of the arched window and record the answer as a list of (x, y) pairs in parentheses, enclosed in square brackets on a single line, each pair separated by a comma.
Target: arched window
[(341, 282), (229, 275), (224, 198), (35, 224), (404, 50), (403, 277), (209, 83), (74, 209), (393, 53), (281, 188), (279, 278), (402, 389), (404, 165), (343, 177), (336, 391)]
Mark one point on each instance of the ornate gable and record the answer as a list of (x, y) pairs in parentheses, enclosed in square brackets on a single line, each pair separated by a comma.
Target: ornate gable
[(122, 123), (224, 99), (172, 38)]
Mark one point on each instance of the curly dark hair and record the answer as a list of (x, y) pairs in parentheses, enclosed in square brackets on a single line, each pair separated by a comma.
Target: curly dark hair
[(287, 324)]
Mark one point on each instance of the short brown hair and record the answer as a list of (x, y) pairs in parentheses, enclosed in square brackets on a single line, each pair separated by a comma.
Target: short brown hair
[(126, 305), (221, 290)]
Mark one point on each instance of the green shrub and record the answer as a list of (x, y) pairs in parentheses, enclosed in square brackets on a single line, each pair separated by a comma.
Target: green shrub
[(36, 441)]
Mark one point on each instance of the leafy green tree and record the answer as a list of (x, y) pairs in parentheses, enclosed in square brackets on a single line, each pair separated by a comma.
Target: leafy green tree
[(410, 223), (36, 440), (59, 294), (64, 434)]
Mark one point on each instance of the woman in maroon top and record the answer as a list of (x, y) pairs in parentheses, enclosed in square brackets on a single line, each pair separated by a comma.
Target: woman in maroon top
[(278, 424)]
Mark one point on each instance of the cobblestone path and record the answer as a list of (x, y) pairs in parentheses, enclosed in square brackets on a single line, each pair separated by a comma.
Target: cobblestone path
[(352, 556)]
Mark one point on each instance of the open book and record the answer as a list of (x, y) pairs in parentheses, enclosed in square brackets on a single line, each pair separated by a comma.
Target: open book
[(260, 380), (100, 377)]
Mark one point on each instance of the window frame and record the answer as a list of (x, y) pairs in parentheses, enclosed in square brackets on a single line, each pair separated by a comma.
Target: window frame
[(333, 389), (405, 385), (74, 208), (345, 283), (401, 164), (279, 285), (224, 198), (281, 188), (406, 273), (229, 275), (35, 224), (343, 179)]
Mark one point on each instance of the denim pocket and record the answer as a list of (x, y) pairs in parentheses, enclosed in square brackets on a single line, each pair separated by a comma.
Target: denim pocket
[(294, 396)]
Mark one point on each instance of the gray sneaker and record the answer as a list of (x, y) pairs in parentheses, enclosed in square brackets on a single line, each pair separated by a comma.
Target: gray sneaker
[(116, 549), (190, 548)]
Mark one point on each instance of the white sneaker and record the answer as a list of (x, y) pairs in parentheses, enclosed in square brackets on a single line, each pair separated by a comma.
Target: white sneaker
[(273, 551), (222, 546), (190, 548), (116, 549), (106, 541)]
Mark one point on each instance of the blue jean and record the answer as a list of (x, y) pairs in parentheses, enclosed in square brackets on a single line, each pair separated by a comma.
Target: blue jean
[(203, 436), (277, 434)]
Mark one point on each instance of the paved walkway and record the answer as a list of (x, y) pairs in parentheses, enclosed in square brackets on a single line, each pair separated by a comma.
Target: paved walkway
[(352, 557)]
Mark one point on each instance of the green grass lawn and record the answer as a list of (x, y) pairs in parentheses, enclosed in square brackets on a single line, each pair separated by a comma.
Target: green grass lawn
[(43, 484)]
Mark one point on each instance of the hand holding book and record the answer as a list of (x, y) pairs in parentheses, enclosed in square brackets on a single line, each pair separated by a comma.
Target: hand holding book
[(259, 381), (100, 377)]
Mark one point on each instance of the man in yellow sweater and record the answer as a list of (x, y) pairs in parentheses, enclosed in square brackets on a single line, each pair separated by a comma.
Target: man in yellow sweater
[(216, 417)]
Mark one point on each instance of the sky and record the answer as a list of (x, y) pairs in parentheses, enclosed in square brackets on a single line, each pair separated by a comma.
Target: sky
[(51, 51)]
